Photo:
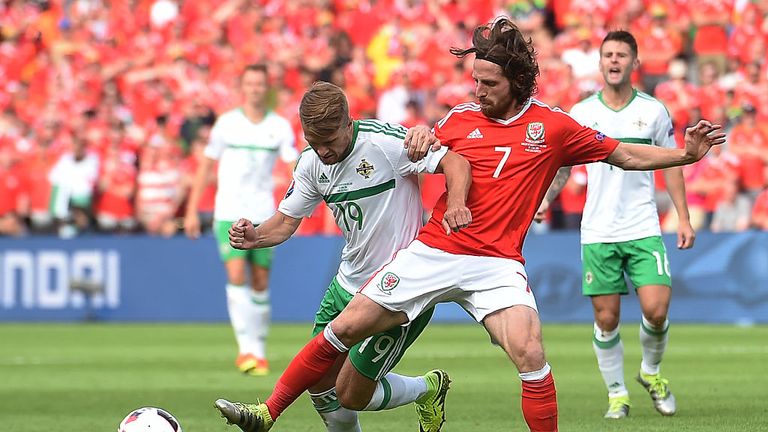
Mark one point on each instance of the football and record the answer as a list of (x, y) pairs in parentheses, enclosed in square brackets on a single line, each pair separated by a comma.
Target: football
[(149, 419)]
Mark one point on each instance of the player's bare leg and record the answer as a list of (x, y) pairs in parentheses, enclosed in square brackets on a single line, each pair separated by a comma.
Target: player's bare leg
[(517, 330), (654, 334)]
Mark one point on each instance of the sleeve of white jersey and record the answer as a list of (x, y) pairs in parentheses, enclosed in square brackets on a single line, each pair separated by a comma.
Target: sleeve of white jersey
[(397, 155), (288, 152), (302, 196), (664, 131), (216, 144)]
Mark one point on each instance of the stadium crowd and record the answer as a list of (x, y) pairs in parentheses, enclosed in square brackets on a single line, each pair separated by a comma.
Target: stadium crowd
[(106, 106)]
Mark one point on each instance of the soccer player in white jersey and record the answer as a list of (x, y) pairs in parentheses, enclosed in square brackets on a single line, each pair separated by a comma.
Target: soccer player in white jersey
[(363, 173), (620, 230), (246, 142)]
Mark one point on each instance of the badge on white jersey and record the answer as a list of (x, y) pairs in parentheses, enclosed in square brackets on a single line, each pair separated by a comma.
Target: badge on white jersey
[(365, 169)]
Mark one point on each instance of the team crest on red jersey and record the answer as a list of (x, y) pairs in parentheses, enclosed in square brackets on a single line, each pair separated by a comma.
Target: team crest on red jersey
[(534, 137), (388, 282), (535, 133)]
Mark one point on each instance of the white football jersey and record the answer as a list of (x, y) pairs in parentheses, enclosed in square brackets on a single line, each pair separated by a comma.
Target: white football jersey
[(247, 153), (374, 194), (620, 204)]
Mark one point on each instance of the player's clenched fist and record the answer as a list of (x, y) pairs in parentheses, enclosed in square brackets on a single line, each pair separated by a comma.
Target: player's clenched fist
[(242, 234), (456, 218)]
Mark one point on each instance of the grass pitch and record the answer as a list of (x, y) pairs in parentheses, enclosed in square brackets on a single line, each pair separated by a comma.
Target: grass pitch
[(87, 377)]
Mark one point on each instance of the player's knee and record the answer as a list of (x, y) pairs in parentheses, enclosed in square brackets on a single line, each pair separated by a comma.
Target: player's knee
[(656, 317), (527, 356), (607, 320), (259, 285)]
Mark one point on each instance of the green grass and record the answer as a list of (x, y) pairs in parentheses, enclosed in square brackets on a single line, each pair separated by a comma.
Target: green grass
[(87, 377)]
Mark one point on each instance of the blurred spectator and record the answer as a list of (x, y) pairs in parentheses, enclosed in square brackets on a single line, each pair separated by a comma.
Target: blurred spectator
[(749, 141), (392, 102), (573, 196), (679, 96), (73, 179), (116, 187), (207, 201), (198, 116), (711, 92), (733, 211), (760, 212), (711, 19), (659, 43), (49, 144), (583, 60), (159, 190), (752, 90), (10, 194)]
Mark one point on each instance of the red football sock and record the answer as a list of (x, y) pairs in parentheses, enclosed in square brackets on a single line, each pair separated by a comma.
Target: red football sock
[(305, 370), (540, 404)]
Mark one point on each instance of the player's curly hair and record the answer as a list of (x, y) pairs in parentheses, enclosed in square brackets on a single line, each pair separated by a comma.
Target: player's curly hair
[(323, 109), (501, 42)]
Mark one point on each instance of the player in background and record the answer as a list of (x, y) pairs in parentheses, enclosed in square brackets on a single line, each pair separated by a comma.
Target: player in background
[(620, 230), (246, 142), (362, 171), (515, 145)]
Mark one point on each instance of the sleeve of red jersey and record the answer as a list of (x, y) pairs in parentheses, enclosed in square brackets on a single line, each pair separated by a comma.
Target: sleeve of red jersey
[(584, 145), (439, 130)]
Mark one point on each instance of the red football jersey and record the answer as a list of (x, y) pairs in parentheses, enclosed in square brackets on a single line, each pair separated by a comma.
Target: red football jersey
[(513, 163)]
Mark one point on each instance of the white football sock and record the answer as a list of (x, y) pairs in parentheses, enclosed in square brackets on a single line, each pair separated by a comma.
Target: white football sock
[(654, 343), (336, 417), (237, 296), (610, 359), (258, 322), (396, 390)]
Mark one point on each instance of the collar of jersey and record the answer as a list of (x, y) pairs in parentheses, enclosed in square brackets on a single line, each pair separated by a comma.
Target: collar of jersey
[(631, 98), (351, 146), (266, 113), (509, 121)]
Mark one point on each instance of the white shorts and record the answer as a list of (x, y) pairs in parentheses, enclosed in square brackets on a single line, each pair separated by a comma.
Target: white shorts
[(419, 277)]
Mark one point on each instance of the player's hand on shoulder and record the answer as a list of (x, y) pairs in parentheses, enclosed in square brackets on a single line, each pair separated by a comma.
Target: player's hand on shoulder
[(419, 140), (701, 137), (456, 217), (242, 234)]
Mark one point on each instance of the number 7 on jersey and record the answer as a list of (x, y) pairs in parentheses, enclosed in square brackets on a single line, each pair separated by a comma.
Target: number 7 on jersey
[(506, 151)]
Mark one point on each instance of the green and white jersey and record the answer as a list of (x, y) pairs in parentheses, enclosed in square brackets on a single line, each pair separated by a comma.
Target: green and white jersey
[(374, 194), (247, 153), (620, 204)]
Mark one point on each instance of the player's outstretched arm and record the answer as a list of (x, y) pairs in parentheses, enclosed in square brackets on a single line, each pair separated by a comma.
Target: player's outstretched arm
[(698, 140), (275, 230), (458, 179), (419, 140)]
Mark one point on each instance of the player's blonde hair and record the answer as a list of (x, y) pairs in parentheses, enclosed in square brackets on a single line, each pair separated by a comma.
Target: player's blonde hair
[(324, 109)]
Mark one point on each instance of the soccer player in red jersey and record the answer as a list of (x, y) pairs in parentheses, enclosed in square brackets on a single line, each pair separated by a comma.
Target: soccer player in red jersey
[(515, 145)]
